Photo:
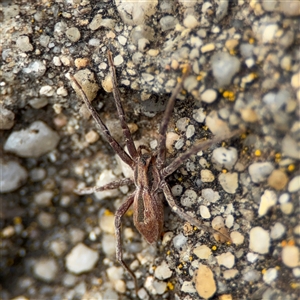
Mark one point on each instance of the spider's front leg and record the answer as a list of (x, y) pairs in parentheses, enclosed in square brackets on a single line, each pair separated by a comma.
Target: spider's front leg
[(179, 211), (109, 186)]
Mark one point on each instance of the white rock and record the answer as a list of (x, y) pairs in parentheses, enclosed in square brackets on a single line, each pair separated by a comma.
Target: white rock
[(106, 221), (252, 276), (81, 259), (160, 287), (163, 271), (209, 96), (259, 240), (204, 212), (229, 182), (188, 287), (47, 91), (229, 274), (199, 115), (269, 33), (290, 256), (296, 272), (284, 198), (229, 221), (270, 275), (237, 238), (224, 158), (190, 22), (277, 231), (46, 269), (224, 67), (12, 176), (287, 208), (179, 241), (202, 252), (188, 198), (23, 43), (133, 12), (294, 184), (226, 259), (43, 198), (108, 244), (106, 177), (6, 118), (260, 171), (35, 141), (252, 257), (210, 195), (267, 200)]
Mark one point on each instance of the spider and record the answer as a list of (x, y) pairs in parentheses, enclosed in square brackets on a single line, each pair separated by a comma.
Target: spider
[(149, 169)]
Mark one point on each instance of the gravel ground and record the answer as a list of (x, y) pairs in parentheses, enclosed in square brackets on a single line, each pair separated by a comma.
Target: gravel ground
[(245, 72)]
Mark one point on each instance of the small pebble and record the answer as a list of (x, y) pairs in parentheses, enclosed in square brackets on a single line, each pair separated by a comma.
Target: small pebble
[(204, 282), (208, 47), (252, 276), (43, 198), (190, 131), (92, 137), (226, 259), (229, 182), (46, 269), (224, 67), (229, 274), (106, 177), (267, 200), (182, 124), (168, 22), (106, 221), (188, 287), (118, 60), (209, 96), (163, 271), (190, 22), (278, 180), (294, 184), (58, 247), (207, 176), (270, 275), (202, 252), (204, 212), (86, 80), (210, 195), (284, 198), (237, 238), (108, 242), (287, 208), (224, 158), (160, 287), (229, 221), (7, 118), (23, 43), (259, 240), (260, 171), (290, 256), (252, 257), (179, 241), (81, 259), (73, 34), (188, 198), (36, 140), (46, 220), (296, 272), (277, 231), (199, 115), (12, 176)]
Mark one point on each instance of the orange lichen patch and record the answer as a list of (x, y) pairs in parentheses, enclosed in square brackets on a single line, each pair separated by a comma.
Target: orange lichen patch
[(17, 220), (214, 248), (108, 213), (224, 171), (170, 286), (257, 153), (277, 157), (251, 41), (263, 271), (291, 168), (291, 243), (229, 95)]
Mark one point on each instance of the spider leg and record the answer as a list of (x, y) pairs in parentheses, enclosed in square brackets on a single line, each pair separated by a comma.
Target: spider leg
[(185, 216), (178, 161), (161, 156), (109, 186), (113, 143), (128, 138), (118, 215)]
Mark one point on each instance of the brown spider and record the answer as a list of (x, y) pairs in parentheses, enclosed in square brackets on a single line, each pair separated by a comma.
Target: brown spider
[(150, 172)]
